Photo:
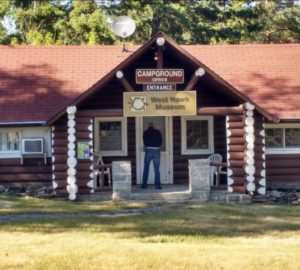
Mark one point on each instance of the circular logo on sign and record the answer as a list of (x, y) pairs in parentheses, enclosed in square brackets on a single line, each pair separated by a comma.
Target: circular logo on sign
[(138, 103)]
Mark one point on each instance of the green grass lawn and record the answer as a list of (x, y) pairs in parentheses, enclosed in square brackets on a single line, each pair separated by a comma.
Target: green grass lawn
[(190, 236), (33, 205)]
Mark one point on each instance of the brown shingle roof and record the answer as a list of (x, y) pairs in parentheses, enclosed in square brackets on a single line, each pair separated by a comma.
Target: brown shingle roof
[(37, 82), (268, 74)]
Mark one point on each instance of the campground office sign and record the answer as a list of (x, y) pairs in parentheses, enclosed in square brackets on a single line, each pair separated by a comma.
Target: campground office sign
[(159, 76), (162, 102), (159, 79), (159, 103)]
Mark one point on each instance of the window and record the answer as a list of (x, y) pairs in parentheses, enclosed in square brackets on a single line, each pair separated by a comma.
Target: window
[(275, 138), (283, 138), (111, 136), (197, 135), (10, 141)]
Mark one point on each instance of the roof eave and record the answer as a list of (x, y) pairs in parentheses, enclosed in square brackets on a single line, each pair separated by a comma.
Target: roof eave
[(23, 124), (106, 78), (221, 80), (136, 54)]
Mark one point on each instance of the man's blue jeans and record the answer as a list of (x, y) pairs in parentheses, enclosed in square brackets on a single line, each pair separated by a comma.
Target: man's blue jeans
[(152, 154)]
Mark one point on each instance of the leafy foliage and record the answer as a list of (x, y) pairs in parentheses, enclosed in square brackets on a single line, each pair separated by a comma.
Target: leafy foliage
[(186, 21)]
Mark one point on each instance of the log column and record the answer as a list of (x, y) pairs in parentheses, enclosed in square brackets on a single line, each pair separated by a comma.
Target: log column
[(59, 155), (260, 155), (235, 152), (72, 188), (90, 183), (54, 183), (249, 149)]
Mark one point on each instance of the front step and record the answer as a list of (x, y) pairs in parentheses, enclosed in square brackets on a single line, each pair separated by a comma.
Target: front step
[(161, 196), (224, 196)]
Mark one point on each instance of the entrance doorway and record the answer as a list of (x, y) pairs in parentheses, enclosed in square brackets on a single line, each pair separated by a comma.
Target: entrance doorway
[(164, 125)]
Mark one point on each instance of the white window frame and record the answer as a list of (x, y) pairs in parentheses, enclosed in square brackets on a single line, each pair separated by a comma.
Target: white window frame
[(210, 150), (282, 150), (123, 120), (11, 153)]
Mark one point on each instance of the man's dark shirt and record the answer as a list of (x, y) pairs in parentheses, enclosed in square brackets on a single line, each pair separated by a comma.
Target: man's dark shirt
[(152, 137)]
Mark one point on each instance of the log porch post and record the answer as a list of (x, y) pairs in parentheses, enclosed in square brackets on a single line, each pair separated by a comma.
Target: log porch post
[(235, 152), (260, 149), (249, 147), (245, 151), (54, 182), (72, 161), (90, 183)]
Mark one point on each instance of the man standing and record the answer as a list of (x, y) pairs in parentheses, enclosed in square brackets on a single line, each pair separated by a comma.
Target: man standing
[(152, 142)]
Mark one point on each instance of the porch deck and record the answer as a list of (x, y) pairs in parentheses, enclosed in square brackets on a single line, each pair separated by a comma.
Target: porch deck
[(168, 193)]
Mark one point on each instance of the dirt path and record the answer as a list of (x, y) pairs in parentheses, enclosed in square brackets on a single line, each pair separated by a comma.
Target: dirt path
[(38, 216)]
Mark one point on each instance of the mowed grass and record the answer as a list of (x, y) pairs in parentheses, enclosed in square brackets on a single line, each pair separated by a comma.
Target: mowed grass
[(27, 204), (190, 236)]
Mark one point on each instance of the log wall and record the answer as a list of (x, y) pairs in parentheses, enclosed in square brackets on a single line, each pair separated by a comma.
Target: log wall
[(235, 153), (283, 171), (181, 161), (60, 155), (84, 133), (32, 172), (131, 148), (260, 155)]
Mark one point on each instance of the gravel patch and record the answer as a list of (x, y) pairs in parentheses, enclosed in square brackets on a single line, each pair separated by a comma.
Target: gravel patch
[(6, 204), (40, 216)]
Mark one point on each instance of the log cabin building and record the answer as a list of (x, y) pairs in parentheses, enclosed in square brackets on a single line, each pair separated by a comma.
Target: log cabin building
[(68, 102)]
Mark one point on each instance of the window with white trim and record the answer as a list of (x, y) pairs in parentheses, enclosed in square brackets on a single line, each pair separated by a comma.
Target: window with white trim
[(283, 138), (111, 136), (10, 142), (197, 135), (11, 137)]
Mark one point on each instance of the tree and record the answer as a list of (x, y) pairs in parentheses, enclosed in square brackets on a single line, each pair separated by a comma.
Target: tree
[(84, 23), (34, 20), (56, 22), (4, 36), (152, 16), (276, 22), (186, 21)]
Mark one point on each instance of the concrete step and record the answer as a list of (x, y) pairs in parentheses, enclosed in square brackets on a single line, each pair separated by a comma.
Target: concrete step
[(161, 196), (224, 196)]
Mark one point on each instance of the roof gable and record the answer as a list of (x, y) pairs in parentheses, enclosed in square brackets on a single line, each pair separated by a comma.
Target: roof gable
[(179, 51)]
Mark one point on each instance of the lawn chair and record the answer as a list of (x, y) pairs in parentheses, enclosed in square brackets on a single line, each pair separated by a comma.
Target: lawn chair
[(216, 170), (100, 172)]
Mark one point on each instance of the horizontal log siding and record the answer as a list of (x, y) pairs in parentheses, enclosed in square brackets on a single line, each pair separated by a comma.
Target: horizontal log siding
[(181, 174), (259, 157), (32, 172), (236, 155), (131, 140), (82, 134), (83, 165), (60, 155), (283, 170)]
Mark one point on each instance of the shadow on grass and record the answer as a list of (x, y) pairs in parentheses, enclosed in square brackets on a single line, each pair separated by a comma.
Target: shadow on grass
[(195, 220)]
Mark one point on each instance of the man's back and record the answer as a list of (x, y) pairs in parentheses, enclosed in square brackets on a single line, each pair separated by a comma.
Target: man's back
[(152, 138)]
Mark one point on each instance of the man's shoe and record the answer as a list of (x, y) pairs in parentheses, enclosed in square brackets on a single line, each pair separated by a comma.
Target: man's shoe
[(143, 186), (158, 187)]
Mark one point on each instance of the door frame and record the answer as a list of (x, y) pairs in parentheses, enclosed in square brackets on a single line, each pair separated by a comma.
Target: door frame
[(139, 147)]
